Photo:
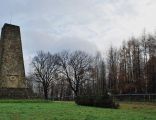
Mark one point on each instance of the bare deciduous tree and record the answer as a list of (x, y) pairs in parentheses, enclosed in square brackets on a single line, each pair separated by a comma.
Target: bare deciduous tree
[(112, 69), (75, 67), (44, 70)]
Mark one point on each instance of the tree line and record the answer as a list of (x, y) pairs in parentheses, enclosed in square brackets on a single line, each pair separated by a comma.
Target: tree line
[(68, 74), (132, 68)]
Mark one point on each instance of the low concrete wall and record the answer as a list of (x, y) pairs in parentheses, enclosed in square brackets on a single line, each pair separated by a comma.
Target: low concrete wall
[(16, 93)]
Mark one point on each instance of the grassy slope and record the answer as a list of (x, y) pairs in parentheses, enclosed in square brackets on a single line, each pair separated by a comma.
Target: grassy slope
[(70, 111)]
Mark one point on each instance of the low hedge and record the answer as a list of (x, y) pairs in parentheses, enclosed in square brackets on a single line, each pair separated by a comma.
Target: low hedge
[(105, 101)]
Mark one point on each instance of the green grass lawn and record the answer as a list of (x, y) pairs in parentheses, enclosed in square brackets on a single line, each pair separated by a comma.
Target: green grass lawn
[(39, 110)]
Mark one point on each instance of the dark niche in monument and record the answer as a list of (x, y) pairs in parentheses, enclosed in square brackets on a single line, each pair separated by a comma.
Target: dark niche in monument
[(12, 73)]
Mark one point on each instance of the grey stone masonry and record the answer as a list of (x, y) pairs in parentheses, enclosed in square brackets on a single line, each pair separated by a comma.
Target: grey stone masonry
[(12, 73)]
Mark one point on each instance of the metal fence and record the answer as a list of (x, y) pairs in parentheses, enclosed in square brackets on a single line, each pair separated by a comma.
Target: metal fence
[(118, 97), (136, 97)]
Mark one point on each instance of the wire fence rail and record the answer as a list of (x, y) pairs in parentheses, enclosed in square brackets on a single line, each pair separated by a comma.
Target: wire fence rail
[(136, 97), (118, 97)]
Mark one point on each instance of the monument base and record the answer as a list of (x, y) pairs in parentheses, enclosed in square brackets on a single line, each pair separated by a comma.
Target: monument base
[(16, 93)]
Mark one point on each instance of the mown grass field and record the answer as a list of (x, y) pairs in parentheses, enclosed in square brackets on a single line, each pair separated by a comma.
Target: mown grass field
[(40, 110)]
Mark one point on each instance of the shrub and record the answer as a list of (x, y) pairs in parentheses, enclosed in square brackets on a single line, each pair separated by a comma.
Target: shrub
[(105, 101)]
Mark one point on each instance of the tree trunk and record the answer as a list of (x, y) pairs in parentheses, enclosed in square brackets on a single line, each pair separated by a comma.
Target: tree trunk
[(45, 92)]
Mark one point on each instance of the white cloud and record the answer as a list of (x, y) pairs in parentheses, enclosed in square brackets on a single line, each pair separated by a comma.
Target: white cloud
[(77, 24)]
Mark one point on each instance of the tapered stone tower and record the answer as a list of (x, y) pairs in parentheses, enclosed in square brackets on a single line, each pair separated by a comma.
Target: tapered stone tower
[(12, 73)]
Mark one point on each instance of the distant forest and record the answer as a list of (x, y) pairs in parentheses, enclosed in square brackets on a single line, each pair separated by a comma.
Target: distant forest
[(131, 69)]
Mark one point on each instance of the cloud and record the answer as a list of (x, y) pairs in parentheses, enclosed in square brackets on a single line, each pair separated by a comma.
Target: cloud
[(90, 25)]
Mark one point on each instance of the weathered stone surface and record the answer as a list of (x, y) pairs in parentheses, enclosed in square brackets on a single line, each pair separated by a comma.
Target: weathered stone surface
[(12, 74)]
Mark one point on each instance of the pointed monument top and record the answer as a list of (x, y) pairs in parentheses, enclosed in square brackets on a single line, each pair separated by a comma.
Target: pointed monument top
[(10, 25)]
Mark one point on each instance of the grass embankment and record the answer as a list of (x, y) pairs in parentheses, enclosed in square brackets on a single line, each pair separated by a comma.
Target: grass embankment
[(41, 110)]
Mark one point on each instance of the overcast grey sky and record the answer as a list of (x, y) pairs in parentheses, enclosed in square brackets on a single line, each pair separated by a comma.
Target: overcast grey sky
[(89, 25)]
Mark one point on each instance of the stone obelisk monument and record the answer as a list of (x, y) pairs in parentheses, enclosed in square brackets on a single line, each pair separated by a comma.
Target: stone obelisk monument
[(12, 73)]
